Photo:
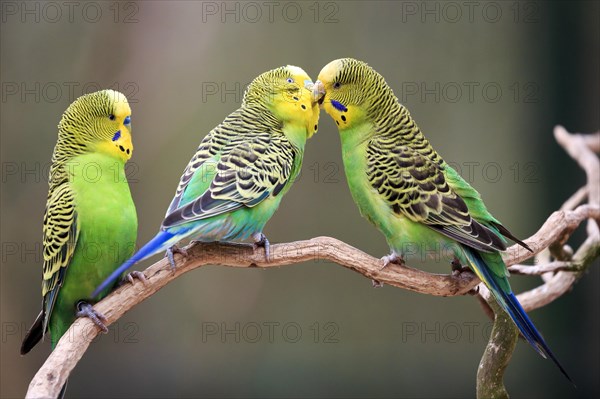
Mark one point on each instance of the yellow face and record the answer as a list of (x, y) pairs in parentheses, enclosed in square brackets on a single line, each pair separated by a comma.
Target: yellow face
[(342, 96), (116, 128), (295, 103)]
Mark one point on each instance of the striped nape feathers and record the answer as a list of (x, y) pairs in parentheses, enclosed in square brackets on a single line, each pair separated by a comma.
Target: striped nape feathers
[(287, 93), (344, 82), (99, 121), (355, 94)]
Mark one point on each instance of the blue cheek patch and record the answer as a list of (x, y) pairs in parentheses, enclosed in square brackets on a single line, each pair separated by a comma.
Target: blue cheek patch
[(127, 120), (339, 106), (117, 136)]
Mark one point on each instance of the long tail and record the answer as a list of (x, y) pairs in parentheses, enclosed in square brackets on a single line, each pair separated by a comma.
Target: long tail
[(498, 285), (161, 242)]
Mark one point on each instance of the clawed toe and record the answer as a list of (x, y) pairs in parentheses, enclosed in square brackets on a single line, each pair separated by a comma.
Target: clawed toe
[(260, 240), (84, 309), (135, 275), (392, 258), (171, 255), (459, 271), (458, 268), (377, 283)]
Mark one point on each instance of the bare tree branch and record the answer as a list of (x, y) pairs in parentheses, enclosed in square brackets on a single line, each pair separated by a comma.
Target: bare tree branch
[(581, 148), (558, 276), (559, 226), (529, 270)]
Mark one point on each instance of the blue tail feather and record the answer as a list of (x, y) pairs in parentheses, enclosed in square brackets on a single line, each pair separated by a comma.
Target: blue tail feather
[(160, 242), (508, 301)]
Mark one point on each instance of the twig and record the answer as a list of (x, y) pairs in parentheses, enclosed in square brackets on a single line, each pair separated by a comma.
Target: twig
[(560, 225), (563, 281), (528, 270)]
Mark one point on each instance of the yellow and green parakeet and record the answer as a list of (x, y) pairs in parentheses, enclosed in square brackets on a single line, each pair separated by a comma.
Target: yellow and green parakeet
[(90, 223), (242, 169), (404, 187)]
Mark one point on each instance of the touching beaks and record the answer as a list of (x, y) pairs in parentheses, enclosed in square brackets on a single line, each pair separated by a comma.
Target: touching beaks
[(318, 92)]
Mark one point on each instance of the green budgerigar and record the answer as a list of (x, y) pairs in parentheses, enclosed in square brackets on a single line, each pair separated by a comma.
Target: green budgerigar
[(403, 186), (90, 222), (236, 179)]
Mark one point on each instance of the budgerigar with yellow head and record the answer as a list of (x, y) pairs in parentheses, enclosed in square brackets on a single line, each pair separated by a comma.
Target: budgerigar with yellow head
[(90, 223), (404, 187), (242, 169)]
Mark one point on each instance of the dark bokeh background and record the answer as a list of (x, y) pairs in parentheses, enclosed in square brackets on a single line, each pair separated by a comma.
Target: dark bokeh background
[(183, 66)]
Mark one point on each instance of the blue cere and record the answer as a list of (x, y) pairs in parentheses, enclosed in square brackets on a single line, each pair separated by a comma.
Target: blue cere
[(339, 106)]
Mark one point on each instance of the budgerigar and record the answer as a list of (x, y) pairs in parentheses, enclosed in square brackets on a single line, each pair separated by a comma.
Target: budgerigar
[(236, 179), (403, 186), (90, 223)]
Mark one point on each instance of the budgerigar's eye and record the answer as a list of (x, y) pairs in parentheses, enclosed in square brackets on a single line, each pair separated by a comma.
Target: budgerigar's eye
[(337, 85), (290, 80), (127, 120), (111, 117)]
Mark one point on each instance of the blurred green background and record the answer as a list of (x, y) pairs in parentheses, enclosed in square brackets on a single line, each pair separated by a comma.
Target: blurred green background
[(486, 81)]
